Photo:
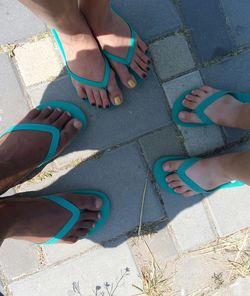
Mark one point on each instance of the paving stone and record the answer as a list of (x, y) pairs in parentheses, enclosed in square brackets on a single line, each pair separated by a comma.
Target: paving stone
[(229, 74), (188, 221), (230, 209), (85, 275), (38, 61), (18, 258), (171, 56), (208, 28), (12, 14), (199, 140), (149, 19), (238, 18), (106, 128), (161, 245), (240, 288), (13, 104), (195, 272), (120, 173), (159, 143), (234, 134)]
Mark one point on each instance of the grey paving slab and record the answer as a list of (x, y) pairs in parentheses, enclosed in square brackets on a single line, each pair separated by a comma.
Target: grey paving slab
[(159, 143), (86, 275), (150, 19), (235, 134), (18, 258), (13, 104), (120, 173), (188, 220), (230, 209), (17, 22), (144, 110), (171, 56), (196, 140), (208, 28), (238, 19)]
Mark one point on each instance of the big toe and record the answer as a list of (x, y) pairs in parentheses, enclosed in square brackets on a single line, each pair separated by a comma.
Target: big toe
[(69, 131)]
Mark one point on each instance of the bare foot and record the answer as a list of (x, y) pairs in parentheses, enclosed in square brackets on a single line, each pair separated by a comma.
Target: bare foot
[(22, 151), (38, 219), (226, 111), (207, 173), (113, 35), (85, 60)]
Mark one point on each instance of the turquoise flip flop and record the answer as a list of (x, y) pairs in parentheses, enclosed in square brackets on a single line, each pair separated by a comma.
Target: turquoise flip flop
[(105, 212), (128, 59), (200, 110), (160, 175), (75, 112)]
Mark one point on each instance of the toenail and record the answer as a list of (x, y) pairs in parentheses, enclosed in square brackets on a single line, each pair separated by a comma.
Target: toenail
[(148, 68), (107, 106), (99, 106), (58, 109), (98, 204), (99, 216), (182, 115), (144, 75), (93, 104), (117, 101), (132, 83), (166, 167), (49, 108), (68, 113), (149, 62), (77, 124), (93, 225), (84, 98)]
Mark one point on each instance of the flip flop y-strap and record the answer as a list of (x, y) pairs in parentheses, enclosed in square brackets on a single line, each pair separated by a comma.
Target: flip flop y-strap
[(181, 172), (199, 111), (101, 84), (55, 136), (71, 222), (126, 60)]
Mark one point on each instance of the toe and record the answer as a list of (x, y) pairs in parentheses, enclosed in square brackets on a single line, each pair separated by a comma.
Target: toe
[(142, 45), (193, 99), (138, 70), (71, 129), (170, 166), (54, 115), (189, 104), (90, 216), (172, 178), (189, 193), (33, 114), (208, 89), (143, 56), (144, 66), (124, 75), (79, 89), (81, 232), (115, 93), (189, 117), (175, 184), (86, 224), (104, 98), (181, 189), (97, 96), (198, 92), (91, 97), (62, 120), (45, 113), (71, 239)]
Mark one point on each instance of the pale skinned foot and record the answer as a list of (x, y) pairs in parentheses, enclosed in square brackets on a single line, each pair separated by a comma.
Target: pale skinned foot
[(22, 151), (227, 111), (85, 60), (207, 173), (113, 35), (38, 220)]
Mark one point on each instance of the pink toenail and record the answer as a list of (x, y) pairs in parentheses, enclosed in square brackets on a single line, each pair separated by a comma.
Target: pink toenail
[(77, 124)]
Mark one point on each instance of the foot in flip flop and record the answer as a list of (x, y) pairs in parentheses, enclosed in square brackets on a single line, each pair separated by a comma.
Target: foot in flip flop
[(64, 217), (191, 176), (206, 106), (122, 46), (90, 71), (39, 137)]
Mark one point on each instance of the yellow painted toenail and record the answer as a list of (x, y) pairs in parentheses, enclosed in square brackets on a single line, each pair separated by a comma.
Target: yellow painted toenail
[(132, 83), (117, 101)]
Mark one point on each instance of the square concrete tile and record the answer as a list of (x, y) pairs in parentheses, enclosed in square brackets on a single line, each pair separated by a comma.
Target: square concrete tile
[(17, 22), (171, 56), (13, 104), (90, 274), (120, 173), (150, 19)]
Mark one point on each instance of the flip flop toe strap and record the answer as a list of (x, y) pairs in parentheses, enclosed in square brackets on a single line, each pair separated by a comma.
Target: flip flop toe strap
[(127, 60), (69, 224), (181, 172), (199, 111), (55, 136)]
